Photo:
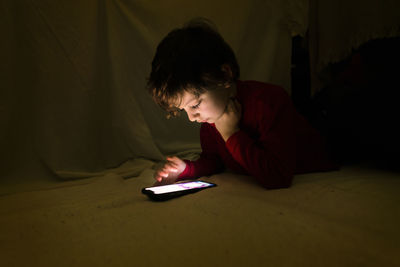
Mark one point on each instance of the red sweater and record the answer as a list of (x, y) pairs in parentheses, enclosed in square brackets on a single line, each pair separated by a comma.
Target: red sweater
[(274, 141)]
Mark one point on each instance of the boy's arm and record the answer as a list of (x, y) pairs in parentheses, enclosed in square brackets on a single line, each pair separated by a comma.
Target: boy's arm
[(209, 161), (271, 158)]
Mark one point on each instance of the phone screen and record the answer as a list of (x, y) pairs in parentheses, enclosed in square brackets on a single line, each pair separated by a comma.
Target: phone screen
[(163, 189)]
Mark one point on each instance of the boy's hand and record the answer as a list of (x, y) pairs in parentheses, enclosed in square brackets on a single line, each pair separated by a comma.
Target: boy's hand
[(228, 124), (170, 171)]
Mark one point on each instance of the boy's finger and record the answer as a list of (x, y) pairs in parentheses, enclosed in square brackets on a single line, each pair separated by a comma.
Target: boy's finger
[(172, 159), (168, 169), (172, 168), (171, 165), (163, 174)]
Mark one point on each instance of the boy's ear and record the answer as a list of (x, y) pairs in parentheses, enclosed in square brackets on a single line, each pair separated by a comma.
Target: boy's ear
[(228, 75), (227, 70)]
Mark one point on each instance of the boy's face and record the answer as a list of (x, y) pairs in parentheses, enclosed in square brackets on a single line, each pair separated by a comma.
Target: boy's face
[(208, 107)]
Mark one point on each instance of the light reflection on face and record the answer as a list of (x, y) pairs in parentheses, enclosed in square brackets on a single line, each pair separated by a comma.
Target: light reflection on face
[(208, 107)]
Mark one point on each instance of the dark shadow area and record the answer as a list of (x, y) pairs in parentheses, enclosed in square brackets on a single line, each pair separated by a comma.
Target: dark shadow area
[(358, 109)]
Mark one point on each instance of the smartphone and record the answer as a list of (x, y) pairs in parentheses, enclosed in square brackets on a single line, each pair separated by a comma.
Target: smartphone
[(165, 192)]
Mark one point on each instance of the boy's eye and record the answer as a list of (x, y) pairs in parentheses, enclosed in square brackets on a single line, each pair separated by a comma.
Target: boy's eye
[(196, 106)]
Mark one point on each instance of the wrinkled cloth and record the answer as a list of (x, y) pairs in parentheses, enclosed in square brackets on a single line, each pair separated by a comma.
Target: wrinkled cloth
[(336, 28), (73, 93)]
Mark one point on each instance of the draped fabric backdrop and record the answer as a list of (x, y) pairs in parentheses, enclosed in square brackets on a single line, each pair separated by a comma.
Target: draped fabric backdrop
[(338, 27), (73, 75)]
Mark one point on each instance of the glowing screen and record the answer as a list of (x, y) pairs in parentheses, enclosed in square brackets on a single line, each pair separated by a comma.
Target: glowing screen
[(178, 187)]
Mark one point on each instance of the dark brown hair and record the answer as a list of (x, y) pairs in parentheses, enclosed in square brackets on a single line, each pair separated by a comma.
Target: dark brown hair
[(190, 59)]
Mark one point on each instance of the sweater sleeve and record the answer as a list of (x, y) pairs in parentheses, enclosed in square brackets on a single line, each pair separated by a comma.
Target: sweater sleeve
[(209, 161), (270, 158)]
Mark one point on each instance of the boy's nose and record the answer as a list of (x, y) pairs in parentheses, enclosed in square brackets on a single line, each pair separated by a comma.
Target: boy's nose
[(192, 117)]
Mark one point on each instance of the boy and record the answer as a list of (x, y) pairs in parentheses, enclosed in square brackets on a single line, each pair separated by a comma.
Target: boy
[(249, 127)]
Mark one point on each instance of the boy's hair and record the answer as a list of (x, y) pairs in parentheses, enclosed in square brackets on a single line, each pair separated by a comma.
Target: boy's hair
[(190, 59)]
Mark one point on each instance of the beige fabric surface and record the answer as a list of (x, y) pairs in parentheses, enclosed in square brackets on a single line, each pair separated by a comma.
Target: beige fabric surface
[(73, 76), (345, 218), (73, 105)]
